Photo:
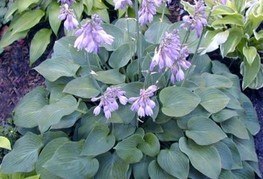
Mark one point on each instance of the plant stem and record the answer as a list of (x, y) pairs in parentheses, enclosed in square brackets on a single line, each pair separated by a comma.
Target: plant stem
[(164, 7), (139, 47)]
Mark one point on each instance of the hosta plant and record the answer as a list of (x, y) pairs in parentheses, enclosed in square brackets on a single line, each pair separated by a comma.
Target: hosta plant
[(129, 100), (236, 29)]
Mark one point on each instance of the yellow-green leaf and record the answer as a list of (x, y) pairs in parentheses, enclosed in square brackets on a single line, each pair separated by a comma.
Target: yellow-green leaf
[(5, 143)]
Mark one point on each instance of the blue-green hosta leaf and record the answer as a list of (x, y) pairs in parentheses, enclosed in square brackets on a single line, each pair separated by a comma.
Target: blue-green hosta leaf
[(226, 174), (156, 172), (150, 146), (171, 132), (246, 148), (127, 149), (112, 167), (54, 68), (52, 114), (205, 159), (123, 115), (156, 31), (122, 23), (178, 101), (121, 57), (245, 172), (121, 131), (174, 162), (140, 169), (53, 13), (204, 131), (5, 143), (224, 115), (24, 155), (212, 99), (250, 71), (83, 87), (98, 141), (255, 167), (236, 127), (216, 81), (39, 44), (250, 54), (67, 162), (28, 109), (46, 154), (237, 163), (225, 155), (118, 35), (113, 77)]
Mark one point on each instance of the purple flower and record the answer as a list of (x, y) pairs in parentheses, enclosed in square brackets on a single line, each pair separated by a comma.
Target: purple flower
[(122, 4), (171, 55), (147, 11), (68, 15), (143, 105), (159, 2), (198, 20), (68, 2), (108, 101), (223, 1), (91, 36)]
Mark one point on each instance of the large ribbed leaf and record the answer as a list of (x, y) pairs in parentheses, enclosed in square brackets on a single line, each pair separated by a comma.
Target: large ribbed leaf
[(53, 13), (216, 81), (178, 101), (225, 155), (236, 127), (98, 141), (151, 145), (24, 155), (174, 162), (224, 115), (204, 131), (68, 163), (205, 159), (83, 87), (112, 167), (46, 154), (110, 77), (155, 32), (28, 109), (54, 68), (156, 172), (213, 100)]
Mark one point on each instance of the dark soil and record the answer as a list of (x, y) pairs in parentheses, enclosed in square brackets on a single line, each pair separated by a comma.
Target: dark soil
[(17, 78)]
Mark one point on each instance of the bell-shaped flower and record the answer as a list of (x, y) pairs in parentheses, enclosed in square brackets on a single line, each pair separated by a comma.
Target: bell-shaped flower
[(68, 2), (121, 4), (68, 15), (147, 11)]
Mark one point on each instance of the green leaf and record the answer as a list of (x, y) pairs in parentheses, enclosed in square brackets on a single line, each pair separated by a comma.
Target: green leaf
[(5, 143), (235, 36), (226, 174), (118, 35), (174, 162), (246, 148), (39, 44), (155, 32), (178, 101), (249, 72), (26, 21), (46, 155), (224, 115), (244, 173), (216, 81), (121, 57), (121, 131), (225, 155), (127, 149), (123, 115), (51, 114), (112, 167), (250, 54), (54, 68), (140, 169), (53, 13), (78, 9), (171, 131), (127, 23), (223, 10), (233, 19), (24, 154), (156, 172), (213, 100), (204, 131), (236, 127), (23, 5), (98, 141), (27, 110), (10, 11), (68, 163), (8, 38), (83, 87), (150, 146), (205, 159), (110, 77)]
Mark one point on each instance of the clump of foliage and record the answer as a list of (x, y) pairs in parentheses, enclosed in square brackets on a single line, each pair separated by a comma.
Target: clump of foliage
[(236, 28), (134, 99)]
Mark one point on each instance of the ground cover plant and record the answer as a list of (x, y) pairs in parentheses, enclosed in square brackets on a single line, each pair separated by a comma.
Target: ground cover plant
[(134, 99)]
